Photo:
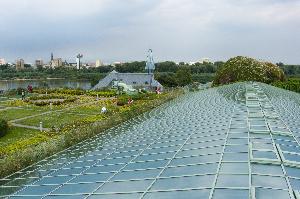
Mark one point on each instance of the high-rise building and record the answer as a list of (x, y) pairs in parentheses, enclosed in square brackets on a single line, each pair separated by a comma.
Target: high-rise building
[(20, 64), (39, 62), (57, 62), (99, 63), (2, 61)]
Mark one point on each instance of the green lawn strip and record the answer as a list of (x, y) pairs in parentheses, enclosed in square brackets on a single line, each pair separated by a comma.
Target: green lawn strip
[(16, 134), (54, 119), (11, 114)]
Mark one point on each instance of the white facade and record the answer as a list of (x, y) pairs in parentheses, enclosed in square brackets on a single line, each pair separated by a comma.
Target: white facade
[(20, 64), (99, 63), (204, 60), (2, 61), (77, 63), (56, 63)]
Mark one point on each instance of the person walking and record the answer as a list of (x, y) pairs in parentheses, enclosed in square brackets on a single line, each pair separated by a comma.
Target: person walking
[(103, 110), (23, 95)]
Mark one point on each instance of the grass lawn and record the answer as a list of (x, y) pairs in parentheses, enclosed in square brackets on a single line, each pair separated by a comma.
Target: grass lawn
[(56, 119), (15, 134), (11, 114)]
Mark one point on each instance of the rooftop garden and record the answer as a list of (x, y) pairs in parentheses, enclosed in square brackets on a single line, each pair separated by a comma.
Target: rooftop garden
[(50, 120)]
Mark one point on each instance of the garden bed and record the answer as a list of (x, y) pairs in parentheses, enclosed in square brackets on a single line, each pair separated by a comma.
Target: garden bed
[(73, 128)]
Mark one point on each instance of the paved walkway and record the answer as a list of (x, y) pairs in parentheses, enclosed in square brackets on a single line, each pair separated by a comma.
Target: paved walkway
[(30, 127)]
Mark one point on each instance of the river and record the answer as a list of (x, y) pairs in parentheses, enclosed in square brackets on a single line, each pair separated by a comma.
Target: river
[(51, 83)]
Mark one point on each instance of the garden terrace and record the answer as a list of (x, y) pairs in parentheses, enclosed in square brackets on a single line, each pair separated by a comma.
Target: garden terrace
[(64, 125), (234, 141)]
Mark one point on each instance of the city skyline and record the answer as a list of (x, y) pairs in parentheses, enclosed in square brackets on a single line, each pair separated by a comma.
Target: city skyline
[(124, 30)]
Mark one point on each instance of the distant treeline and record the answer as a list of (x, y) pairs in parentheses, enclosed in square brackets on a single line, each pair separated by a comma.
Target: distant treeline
[(169, 67), (167, 72), (290, 70), (170, 74)]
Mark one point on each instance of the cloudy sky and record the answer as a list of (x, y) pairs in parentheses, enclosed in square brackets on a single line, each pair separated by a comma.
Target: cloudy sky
[(123, 30)]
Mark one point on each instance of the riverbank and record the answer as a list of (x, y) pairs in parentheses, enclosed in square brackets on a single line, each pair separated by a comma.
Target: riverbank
[(35, 79), (6, 85), (24, 152)]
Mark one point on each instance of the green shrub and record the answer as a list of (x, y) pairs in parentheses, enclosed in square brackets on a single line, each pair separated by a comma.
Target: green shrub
[(45, 97), (292, 84), (59, 91), (3, 127), (248, 69), (44, 100), (20, 90), (123, 100)]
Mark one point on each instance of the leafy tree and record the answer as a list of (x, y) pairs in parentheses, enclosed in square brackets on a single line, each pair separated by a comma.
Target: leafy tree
[(166, 79), (133, 67), (183, 76), (3, 127), (167, 66)]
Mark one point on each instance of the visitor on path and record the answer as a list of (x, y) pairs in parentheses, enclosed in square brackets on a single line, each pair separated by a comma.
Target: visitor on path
[(29, 88), (103, 110), (130, 101), (158, 90), (23, 95)]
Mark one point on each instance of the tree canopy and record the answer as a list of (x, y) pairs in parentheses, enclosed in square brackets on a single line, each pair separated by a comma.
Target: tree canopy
[(248, 69)]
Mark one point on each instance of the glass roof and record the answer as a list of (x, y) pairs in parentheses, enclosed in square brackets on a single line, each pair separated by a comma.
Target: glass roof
[(234, 141)]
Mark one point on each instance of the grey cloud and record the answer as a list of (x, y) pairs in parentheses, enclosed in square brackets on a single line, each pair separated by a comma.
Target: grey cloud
[(180, 30)]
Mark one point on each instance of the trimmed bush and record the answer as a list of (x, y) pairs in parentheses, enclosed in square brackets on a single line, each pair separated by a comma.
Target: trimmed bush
[(248, 69), (292, 84), (3, 127)]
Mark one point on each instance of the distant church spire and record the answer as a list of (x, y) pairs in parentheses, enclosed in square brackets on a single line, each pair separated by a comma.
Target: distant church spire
[(51, 56)]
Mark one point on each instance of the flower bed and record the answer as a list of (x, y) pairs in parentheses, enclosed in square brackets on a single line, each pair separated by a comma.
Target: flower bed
[(44, 100)]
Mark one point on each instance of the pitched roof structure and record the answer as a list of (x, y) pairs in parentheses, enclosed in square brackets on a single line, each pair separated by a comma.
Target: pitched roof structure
[(134, 79)]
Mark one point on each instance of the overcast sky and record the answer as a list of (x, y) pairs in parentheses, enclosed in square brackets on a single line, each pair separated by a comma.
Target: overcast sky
[(123, 30)]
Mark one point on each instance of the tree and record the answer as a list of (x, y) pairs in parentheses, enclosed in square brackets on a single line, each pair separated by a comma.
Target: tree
[(167, 66), (183, 76), (248, 69), (166, 79), (133, 67)]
